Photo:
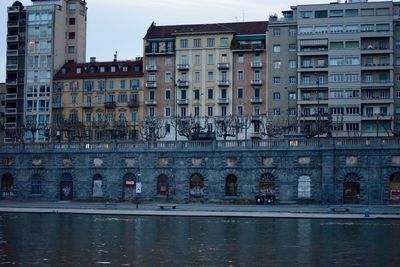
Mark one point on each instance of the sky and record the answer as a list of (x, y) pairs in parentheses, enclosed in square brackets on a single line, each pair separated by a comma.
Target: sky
[(120, 25)]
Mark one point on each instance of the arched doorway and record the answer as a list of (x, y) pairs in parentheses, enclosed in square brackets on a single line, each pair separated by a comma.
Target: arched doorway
[(162, 185), (351, 189), (196, 187), (231, 185), (394, 188), (97, 186), (66, 187), (267, 185), (7, 186), (129, 187)]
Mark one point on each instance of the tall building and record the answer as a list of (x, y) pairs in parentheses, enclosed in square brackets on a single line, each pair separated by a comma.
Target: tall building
[(56, 34), (347, 66), (2, 110), (15, 69), (105, 97), (205, 71)]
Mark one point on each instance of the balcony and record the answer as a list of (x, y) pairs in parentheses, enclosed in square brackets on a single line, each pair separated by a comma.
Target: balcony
[(150, 102), (11, 82), (182, 84), (87, 105), (373, 66), (223, 66), (256, 82), (155, 51), (12, 66), (12, 52), (14, 23), (223, 101), (11, 110), (111, 104), (151, 84), (13, 9), (182, 101), (12, 38), (256, 64), (246, 47), (182, 67), (256, 100), (223, 83), (151, 68), (11, 96), (133, 103), (56, 104)]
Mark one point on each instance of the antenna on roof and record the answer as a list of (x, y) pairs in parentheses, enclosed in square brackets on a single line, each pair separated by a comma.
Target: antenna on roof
[(115, 56), (242, 15)]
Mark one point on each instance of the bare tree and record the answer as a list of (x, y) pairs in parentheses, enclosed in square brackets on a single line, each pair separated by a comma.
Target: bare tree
[(190, 127), (230, 126), (153, 129)]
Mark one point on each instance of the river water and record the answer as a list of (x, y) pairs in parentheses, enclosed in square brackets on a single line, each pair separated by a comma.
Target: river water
[(94, 240)]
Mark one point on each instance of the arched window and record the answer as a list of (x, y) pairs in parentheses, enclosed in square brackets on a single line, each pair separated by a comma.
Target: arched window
[(36, 185), (97, 185), (196, 189), (231, 185), (304, 187), (162, 185)]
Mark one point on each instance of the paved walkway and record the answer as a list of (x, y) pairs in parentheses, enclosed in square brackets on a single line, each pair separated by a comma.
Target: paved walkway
[(209, 210)]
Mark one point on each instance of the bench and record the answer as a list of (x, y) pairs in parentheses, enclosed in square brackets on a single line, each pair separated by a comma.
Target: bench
[(110, 204), (334, 209), (171, 206)]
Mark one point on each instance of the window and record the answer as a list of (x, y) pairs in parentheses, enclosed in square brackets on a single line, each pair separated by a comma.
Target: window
[(197, 59), (336, 13), (277, 48), (168, 77), (276, 112), (210, 76), (397, 93), (36, 185), (352, 126), (71, 49), (257, 92), (100, 85), (183, 59), (223, 111), (224, 42), (351, 12), (88, 86), (210, 59), (304, 187), (292, 80), (210, 42), (152, 95), (240, 110), (292, 47), (382, 12), (276, 32), (240, 93), (306, 30), (197, 76), (240, 75), (183, 94), (167, 112), (184, 43), (197, 43), (151, 112), (72, 7), (367, 27), (210, 111), (367, 12), (240, 59), (306, 14), (210, 93), (167, 94), (71, 21), (276, 96), (292, 64), (276, 80), (276, 64), (196, 94), (321, 14), (383, 27), (292, 96), (71, 35), (134, 84), (336, 45), (122, 84)]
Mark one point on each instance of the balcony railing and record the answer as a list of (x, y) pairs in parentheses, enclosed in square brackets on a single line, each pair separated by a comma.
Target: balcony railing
[(133, 103), (151, 68), (11, 96), (248, 47), (87, 105), (111, 104), (223, 65), (182, 101), (12, 52), (223, 100), (151, 84), (150, 102), (223, 83), (12, 38), (256, 64), (182, 66), (155, 51), (256, 100), (182, 84), (256, 82)]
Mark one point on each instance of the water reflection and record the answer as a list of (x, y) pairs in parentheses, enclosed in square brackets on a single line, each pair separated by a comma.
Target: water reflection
[(83, 240)]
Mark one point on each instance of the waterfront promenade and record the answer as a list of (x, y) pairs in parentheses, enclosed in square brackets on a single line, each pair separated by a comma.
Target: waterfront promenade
[(203, 210)]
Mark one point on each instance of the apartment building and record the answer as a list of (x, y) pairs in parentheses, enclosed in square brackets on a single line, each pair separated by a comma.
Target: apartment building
[(346, 66), (2, 110), (205, 71), (99, 93), (15, 69), (56, 34)]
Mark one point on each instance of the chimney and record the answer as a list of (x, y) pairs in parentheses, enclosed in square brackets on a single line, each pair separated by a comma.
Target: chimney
[(115, 56), (92, 59)]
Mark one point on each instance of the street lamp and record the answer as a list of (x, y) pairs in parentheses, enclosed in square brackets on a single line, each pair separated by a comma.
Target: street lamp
[(138, 189), (176, 106), (318, 114)]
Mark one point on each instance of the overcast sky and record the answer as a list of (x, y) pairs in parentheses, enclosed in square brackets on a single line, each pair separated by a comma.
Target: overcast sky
[(119, 25)]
